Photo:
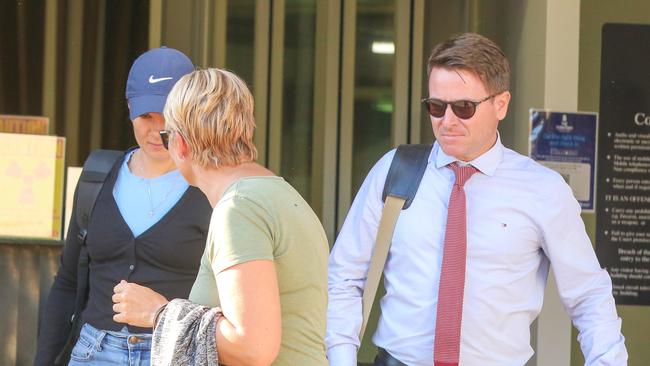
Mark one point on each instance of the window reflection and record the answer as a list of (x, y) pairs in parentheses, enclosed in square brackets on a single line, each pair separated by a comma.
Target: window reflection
[(21, 57), (298, 94), (240, 39), (373, 93)]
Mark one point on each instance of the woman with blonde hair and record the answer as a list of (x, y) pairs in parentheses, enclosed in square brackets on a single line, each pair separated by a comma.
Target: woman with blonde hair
[(263, 277)]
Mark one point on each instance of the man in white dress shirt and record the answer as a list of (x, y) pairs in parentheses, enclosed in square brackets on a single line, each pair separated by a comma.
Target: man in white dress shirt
[(520, 217)]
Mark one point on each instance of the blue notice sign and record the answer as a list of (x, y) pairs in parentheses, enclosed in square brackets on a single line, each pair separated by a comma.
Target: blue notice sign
[(566, 143)]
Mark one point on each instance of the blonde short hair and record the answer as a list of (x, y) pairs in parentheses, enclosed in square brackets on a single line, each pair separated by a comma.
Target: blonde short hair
[(213, 110)]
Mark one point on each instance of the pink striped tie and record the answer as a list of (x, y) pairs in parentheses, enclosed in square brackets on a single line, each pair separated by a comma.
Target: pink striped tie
[(446, 349)]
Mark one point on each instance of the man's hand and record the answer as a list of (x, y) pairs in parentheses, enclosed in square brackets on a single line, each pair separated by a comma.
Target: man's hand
[(136, 305)]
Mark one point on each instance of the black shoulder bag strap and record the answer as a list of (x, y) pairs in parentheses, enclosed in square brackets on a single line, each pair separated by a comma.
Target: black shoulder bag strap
[(402, 182), (94, 173)]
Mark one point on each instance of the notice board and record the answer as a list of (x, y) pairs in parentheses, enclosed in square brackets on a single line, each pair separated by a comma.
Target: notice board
[(31, 182), (623, 195), (566, 143)]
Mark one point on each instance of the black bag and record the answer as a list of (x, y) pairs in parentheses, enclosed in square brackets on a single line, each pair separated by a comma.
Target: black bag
[(93, 176)]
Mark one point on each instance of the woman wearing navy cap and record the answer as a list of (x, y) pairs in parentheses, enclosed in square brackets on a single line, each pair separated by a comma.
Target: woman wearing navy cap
[(148, 227)]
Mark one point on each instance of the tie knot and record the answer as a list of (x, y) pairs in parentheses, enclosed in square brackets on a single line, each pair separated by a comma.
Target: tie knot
[(462, 173)]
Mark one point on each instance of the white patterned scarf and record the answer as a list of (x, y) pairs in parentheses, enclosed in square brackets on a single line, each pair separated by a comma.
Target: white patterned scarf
[(185, 335)]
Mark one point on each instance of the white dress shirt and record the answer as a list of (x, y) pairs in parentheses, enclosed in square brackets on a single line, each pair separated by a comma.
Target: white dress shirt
[(520, 216)]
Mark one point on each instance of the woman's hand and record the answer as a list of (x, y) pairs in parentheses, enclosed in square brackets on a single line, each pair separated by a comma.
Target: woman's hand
[(136, 305)]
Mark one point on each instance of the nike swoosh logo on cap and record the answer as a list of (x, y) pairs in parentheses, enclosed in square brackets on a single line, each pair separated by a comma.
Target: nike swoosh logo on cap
[(153, 80)]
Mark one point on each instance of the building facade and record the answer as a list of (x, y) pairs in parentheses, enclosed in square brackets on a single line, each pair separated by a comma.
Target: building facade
[(337, 83)]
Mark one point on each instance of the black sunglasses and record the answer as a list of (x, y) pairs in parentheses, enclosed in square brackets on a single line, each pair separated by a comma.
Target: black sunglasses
[(164, 136), (463, 109)]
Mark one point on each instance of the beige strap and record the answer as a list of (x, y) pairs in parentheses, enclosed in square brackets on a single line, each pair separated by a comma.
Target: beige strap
[(389, 215)]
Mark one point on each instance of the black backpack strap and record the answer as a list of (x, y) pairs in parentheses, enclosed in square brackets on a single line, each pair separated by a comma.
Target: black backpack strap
[(96, 168), (402, 182), (95, 171), (91, 181), (406, 171)]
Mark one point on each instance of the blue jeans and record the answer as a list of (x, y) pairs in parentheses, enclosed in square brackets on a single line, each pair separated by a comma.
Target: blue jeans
[(99, 347)]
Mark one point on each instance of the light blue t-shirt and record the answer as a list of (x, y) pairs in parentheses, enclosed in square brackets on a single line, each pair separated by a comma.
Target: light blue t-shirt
[(142, 201)]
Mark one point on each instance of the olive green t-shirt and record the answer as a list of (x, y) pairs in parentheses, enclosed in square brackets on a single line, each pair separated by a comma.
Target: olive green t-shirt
[(265, 218)]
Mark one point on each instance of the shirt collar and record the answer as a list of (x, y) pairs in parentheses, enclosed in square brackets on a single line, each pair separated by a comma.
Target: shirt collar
[(486, 163)]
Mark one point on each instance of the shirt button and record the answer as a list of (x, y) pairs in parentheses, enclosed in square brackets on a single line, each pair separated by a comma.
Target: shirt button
[(131, 267)]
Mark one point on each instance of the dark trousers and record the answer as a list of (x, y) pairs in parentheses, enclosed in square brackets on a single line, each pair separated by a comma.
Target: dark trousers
[(385, 359)]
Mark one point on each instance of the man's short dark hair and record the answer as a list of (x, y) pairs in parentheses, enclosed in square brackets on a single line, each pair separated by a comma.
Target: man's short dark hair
[(476, 53)]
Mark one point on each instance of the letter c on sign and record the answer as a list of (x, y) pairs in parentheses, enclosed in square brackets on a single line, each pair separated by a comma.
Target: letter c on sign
[(641, 119)]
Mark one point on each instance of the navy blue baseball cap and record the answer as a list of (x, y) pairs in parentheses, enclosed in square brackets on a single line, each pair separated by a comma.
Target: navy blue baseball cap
[(152, 77)]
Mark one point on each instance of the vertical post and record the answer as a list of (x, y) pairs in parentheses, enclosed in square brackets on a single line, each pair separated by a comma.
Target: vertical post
[(49, 62), (276, 95), (399, 123), (562, 54), (205, 34), (261, 76), (473, 18), (221, 17), (155, 23), (73, 78), (417, 70), (213, 34), (98, 92), (326, 103), (560, 93), (346, 134)]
